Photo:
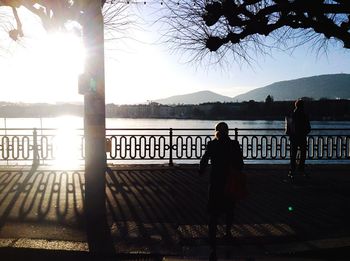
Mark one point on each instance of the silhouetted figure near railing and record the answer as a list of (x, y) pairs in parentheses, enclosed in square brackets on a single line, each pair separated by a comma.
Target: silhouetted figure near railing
[(225, 155), (298, 127)]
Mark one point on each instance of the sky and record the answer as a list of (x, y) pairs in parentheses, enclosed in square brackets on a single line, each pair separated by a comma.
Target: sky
[(44, 67)]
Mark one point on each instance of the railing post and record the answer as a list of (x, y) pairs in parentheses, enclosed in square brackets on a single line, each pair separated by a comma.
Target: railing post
[(171, 147), (5, 126), (35, 148), (236, 133)]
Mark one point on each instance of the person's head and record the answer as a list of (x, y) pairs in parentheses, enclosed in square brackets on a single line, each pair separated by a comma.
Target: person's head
[(299, 104), (221, 130)]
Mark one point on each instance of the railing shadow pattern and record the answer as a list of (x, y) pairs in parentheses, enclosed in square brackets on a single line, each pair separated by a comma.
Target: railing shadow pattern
[(38, 197), (166, 207)]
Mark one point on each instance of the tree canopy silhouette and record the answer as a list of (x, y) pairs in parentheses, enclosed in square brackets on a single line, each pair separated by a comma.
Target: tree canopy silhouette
[(242, 26), (55, 15)]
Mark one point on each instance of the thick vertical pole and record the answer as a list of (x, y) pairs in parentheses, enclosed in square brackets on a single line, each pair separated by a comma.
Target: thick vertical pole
[(98, 233)]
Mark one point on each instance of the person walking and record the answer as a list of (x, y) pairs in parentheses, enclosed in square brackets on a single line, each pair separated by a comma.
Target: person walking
[(297, 131), (224, 154)]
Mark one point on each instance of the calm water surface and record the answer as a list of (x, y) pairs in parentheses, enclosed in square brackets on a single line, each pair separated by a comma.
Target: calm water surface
[(77, 122)]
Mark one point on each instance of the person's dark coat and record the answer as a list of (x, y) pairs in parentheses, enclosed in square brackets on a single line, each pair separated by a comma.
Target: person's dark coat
[(223, 153), (301, 125)]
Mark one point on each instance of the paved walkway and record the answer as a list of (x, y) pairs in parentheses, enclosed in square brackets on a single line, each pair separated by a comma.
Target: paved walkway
[(162, 210)]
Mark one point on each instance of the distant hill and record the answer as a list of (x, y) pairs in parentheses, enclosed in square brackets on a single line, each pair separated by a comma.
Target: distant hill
[(330, 86), (195, 98)]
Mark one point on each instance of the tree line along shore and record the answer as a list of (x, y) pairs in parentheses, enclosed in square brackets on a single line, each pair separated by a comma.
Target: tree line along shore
[(323, 109)]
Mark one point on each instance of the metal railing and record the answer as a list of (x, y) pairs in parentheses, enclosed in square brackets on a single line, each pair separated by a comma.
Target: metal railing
[(168, 145)]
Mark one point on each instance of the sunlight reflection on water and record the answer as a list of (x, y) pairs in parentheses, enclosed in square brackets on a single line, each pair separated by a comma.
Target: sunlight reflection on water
[(67, 143)]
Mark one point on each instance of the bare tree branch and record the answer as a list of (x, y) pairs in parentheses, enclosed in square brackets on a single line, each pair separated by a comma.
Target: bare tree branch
[(117, 20), (242, 27)]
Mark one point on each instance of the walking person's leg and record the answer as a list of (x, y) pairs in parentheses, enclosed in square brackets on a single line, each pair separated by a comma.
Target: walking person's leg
[(229, 222), (293, 155), (302, 146), (213, 219)]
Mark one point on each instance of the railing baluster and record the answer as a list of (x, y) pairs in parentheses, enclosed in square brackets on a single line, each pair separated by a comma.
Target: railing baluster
[(171, 147), (35, 148), (170, 144)]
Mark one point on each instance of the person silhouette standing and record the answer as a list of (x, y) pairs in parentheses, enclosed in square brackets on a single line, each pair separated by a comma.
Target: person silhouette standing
[(297, 136), (224, 154)]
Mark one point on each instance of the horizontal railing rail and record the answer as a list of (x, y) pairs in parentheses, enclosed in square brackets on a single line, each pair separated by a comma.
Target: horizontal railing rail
[(166, 144)]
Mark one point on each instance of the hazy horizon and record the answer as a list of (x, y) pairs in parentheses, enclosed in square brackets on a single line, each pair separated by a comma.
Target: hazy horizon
[(178, 95)]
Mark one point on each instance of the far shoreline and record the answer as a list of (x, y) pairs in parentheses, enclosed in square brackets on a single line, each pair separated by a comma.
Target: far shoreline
[(155, 118), (320, 110)]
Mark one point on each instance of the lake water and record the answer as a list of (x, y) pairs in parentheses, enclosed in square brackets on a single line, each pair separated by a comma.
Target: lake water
[(77, 122)]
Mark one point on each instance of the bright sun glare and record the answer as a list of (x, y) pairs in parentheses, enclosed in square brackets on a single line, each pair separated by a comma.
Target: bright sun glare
[(67, 143), (49, 68), (62, 51)]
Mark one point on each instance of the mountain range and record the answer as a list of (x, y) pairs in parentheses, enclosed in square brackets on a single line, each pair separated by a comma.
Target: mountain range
[(195, 98), (331, 86)]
